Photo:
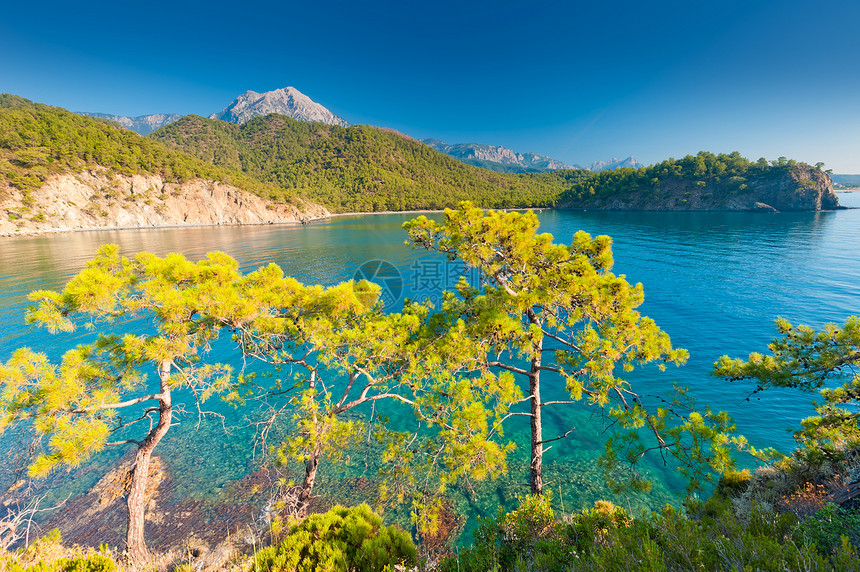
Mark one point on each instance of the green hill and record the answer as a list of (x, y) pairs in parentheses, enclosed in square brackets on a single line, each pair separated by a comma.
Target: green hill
[(358, 168), (706, 182), (37, 141)]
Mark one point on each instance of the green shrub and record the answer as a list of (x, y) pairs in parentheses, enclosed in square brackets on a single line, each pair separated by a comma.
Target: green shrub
[(530, 537), (827, 528), (606, 538), (343, 539), (47, 554)]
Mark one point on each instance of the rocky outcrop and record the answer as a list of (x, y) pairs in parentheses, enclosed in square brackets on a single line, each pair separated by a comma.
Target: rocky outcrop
[(98, 200), (285, 101), (794, 188)]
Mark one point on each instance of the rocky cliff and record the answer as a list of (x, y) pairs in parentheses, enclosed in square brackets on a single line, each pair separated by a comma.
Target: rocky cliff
[(94, 200), (798, 187)]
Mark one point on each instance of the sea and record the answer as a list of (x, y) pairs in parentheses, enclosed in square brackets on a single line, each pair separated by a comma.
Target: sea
[(714, 281)]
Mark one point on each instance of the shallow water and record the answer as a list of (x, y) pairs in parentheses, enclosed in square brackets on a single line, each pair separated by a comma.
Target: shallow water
[(714, 281)]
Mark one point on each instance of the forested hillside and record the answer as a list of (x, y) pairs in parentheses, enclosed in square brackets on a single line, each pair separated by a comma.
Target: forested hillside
[(362, 168), (706, 182), (37, 141), (354, 169)]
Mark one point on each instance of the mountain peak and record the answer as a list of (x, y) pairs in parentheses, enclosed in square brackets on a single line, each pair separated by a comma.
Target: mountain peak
[(285, 101)]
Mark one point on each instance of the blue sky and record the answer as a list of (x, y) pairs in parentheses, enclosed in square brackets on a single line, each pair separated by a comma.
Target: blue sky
[(576, 81)]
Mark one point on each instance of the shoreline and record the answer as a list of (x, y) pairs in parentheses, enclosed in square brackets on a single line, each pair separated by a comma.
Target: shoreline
[(420, 211), (60, 230), (300, 222)]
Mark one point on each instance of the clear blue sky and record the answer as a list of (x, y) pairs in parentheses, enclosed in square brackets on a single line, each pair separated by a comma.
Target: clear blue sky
[(579, 81)]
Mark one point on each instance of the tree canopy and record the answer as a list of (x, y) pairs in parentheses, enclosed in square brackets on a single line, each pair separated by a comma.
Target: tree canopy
[(76, 405), (558, 310), (825, 361)]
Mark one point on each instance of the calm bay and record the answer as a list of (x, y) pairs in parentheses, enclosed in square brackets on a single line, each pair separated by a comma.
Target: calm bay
[(714, 281)]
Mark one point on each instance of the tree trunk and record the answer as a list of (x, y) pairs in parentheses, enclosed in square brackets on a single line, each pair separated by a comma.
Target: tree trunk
[(138, 555), (305, 494), (313, 463), (536, 465)]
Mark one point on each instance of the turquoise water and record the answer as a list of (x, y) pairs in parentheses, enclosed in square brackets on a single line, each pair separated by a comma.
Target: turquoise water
[(714, 281)]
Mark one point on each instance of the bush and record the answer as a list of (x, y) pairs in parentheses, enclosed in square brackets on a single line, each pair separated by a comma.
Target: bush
[(47, 554), (827, 528), (343, 539), (607, 538), (531, 538)]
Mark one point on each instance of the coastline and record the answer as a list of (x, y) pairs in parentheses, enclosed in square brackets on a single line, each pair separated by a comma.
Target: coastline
[(420, 211), (59, 230), (302, 221)]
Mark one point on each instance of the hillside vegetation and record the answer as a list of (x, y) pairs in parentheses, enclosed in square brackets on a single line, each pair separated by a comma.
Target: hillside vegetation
[(362, 168), (358, 168), (706, 182), (37, 141)]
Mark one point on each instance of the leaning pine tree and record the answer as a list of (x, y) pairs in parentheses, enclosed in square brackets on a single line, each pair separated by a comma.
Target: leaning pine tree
[(76, 405), (546, 308)]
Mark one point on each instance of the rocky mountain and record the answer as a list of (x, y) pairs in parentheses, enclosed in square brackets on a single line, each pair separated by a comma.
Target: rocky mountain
[(497, 158), (285, 101), (615, 163), (143, 124)]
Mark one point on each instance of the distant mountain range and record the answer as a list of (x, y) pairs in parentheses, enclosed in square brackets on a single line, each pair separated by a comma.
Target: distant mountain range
[(846, 181), (504, 160), (615, 163), (497, 158), (143, 124), (292, 103)]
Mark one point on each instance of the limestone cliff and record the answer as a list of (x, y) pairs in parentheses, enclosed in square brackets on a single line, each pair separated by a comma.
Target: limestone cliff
[(797, 187), (94, 200)]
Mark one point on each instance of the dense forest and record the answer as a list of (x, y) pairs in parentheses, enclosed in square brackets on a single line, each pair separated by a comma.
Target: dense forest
[(37, 141), (706, 181), (356, 169)]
